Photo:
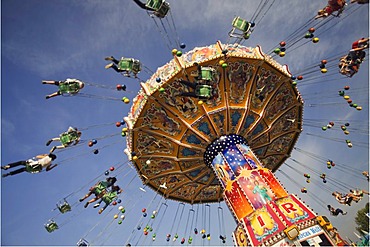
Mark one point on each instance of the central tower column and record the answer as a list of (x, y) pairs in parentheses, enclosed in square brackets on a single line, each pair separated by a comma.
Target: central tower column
[(264, 211)]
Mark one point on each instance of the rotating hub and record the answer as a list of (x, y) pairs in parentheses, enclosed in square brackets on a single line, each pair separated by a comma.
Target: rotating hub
[(220, 145)]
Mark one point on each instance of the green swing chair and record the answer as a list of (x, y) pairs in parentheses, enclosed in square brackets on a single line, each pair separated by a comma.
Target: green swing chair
[(51, 226), (160, 7), (241, 25)]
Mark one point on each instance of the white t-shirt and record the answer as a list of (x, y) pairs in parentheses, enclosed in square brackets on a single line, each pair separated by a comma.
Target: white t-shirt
[(44, 162), (32, 162)]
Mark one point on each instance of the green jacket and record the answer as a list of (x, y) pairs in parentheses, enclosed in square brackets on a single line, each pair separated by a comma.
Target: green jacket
[(100, 187), (71, 87), (129, 64), (67, 138), (109, 197)]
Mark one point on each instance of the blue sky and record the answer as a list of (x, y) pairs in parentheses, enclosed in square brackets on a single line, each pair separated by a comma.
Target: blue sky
[(59, 39)]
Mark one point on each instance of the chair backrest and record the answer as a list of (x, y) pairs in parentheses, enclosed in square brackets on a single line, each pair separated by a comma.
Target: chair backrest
[(126, 64), (82, 242), (66, 138), (51, 226), (64, 207), (154, 4), (208, 73), (241, 24), (203, 91), (160, 7)]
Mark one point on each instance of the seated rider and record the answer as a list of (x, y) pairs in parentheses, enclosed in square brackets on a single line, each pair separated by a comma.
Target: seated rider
[(360, 44), (68, 86), (343, 199), (204, 86), (99, 189), (71, 136), (356, 56), (350, 64), (357, 53), (31, 165), (336, 211), (358, 194), (126, 65), (108, 197), (332, 6)]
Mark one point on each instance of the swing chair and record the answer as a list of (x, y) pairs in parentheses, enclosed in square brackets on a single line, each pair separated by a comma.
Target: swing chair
[(51, 226), (204, 91), (35, 168), (66, 138), (128, 65), (206, 74), (63, 206), (241, 25), (160, 7), (82, 242), (69, 89)]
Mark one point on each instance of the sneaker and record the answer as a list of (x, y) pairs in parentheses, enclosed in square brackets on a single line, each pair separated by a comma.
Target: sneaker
[(5, 167), (109, 66), (53, 149), (96, 205), (344, 213), (86, 204), (47, 97), (100, 211), (48, 142), (81, 199), (5, 175), (109, 58), (43, 82)]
